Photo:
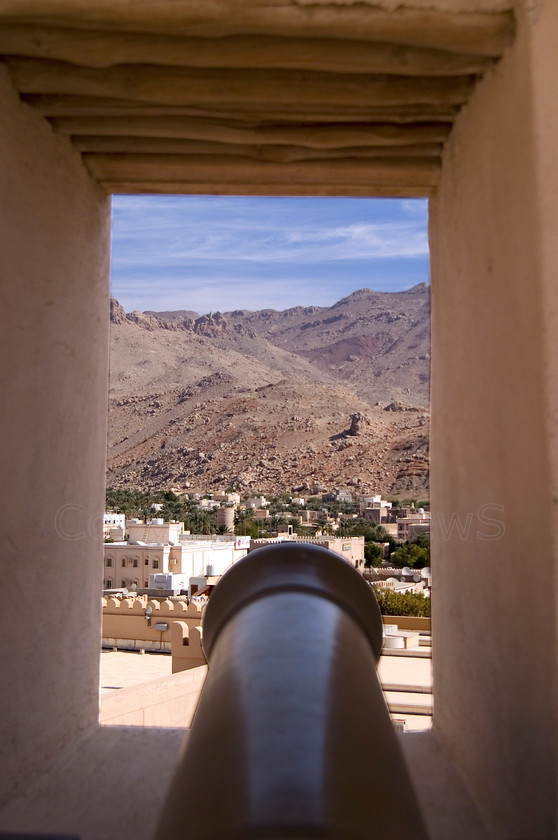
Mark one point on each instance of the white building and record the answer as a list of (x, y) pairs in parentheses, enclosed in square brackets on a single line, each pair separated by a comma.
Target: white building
[(256, 502), (114, 525), (370, 499), (401, 586), (226, 498), (131, 564), (116, 520), (350, 549), (155, 531), (374, 508), (208, 504)]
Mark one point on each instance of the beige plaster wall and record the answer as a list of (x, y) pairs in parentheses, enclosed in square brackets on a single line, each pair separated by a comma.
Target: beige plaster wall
[(164, 702), (494, 263), (125, 620), (408, 622), (187, 651), (546, 128), (54, 242)]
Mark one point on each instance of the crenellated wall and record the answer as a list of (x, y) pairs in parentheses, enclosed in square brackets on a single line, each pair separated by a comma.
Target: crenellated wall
[(125, 625), (187, 649)]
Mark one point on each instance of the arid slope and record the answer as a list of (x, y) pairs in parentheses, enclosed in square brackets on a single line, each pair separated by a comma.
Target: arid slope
[(263, 400)]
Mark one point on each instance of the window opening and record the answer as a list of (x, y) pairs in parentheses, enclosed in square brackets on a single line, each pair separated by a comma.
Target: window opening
[(293, 402)]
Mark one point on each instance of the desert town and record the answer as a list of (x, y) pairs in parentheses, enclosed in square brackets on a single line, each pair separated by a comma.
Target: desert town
[(158, 578)]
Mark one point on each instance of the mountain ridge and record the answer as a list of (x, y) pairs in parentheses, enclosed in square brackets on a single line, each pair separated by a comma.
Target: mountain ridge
[(266, 396)]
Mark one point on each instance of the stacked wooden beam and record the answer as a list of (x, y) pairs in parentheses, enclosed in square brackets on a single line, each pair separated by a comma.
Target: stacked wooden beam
[(236, 96)]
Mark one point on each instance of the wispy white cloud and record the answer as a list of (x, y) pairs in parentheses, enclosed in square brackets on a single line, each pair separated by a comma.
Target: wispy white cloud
[(381, 240), (416, 209), (256, 252)]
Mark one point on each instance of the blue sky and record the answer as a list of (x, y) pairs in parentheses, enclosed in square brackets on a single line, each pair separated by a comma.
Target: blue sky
[(210, 253)]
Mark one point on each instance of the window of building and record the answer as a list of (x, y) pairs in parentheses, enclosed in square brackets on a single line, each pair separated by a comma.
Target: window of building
[(155, 564), (135, 562), (108, 584), (109, 561), (146, 562), (123, 562), (122, 582)]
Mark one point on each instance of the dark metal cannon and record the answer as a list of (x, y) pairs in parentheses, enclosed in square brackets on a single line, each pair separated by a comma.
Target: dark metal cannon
[(292, 737)]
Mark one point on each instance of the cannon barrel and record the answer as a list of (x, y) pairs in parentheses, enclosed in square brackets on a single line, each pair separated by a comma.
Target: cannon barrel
[(292, 737)]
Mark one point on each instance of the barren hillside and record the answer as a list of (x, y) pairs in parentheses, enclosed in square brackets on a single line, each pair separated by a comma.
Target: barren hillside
[(263, 400)]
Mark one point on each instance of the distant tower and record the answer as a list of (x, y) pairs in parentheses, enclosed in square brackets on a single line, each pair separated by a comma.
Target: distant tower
[(225, 516)]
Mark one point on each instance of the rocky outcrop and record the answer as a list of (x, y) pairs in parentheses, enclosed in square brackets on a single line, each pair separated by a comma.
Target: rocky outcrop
[(117, 314), (145, 322), (141, 319), (356, 424)]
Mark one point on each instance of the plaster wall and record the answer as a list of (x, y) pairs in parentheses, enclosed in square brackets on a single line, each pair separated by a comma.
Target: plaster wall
[(408, 622), (546, 127), (493, 254), (164, 702), (54, 241), (124, 623), (187, 651), (151, 533)]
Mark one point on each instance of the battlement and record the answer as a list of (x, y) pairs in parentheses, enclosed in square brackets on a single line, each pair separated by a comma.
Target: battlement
[(143, 623), (162, 609), (186, 646)]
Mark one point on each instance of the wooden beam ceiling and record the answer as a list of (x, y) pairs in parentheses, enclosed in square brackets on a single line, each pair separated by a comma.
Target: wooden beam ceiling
[(233, 96)]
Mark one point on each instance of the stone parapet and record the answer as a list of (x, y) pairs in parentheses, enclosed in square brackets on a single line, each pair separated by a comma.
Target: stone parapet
[(142, 623)]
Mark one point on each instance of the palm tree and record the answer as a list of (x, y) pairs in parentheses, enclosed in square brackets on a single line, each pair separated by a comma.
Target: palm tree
[(202, 522), (243, 522), (275, 521)]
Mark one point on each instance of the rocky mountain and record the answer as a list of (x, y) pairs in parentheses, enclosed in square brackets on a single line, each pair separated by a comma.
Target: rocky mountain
[(265, 400)]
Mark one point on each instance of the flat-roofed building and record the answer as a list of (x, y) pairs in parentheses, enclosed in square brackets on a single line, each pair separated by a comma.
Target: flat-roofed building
[(155, 531), (415, 524)]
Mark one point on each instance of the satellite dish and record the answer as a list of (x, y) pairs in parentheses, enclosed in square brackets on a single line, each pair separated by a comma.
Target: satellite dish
[(426, 572), (406, 571), (148, 611), (416, 578)]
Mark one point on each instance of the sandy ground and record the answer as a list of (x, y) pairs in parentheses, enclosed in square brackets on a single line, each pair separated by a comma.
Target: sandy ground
[(123, 669)]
